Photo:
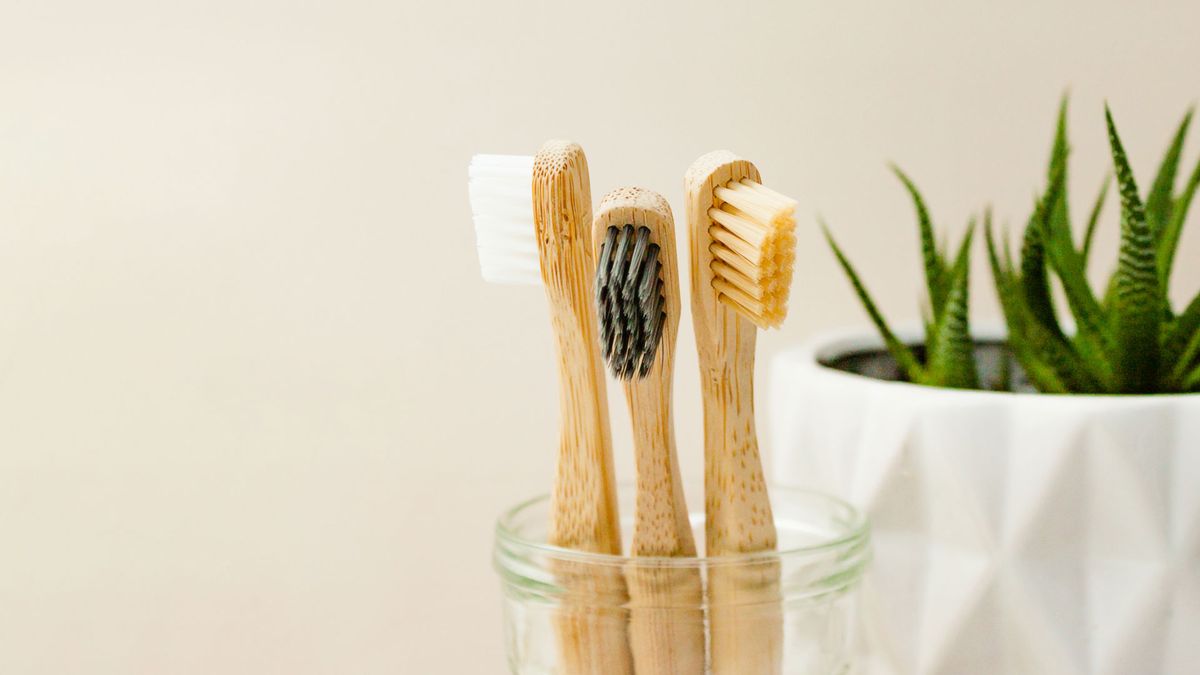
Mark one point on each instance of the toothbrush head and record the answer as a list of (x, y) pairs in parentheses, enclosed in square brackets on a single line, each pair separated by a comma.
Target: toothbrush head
[(629, 300), (747, 233), (754, 248), (502, 209), (637, 282)]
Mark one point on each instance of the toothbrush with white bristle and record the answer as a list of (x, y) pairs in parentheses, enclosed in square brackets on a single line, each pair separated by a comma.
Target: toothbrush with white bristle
[(533, 220)]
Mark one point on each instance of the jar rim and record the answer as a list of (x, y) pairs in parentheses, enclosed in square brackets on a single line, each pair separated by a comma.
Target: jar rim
[(852, 536)]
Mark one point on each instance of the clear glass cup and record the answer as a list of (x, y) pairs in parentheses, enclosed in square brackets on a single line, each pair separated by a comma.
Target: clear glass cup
[(791, 612)]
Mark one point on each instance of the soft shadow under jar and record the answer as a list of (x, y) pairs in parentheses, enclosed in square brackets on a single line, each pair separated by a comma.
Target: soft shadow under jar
[(567, 612)]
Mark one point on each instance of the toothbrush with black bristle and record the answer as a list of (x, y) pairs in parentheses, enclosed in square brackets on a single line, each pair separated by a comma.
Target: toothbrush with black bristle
[(532, 218), (637, 300)]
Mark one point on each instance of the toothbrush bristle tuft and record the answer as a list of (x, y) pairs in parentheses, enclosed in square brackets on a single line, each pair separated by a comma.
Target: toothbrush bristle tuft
[(500, 188), (630, 301), (754, 248)]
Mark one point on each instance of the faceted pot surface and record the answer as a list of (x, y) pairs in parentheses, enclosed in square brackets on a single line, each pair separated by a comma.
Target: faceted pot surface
[(1013, 532)]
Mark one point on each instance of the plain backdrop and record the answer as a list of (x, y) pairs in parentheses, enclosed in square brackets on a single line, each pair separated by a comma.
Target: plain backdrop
[(258, 411)]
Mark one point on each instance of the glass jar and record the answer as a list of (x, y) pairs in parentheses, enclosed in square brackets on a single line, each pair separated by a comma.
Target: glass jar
[(569, 612)]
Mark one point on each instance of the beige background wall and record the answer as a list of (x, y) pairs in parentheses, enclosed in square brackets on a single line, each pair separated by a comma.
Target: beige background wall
[(257, 410)]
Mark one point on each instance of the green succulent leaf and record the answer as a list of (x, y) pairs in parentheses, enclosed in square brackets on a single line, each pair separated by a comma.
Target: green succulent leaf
[(1048, 358), (903, 355), (1191, 355), (1137, 306), (1189, 360), (1094, 337), (936, 274), (1110, 292), (1129, 341), (1044, 376), (1059, 212), (952, 363), (1041, 374), (1185, 326), (1035, 280), (1009, 265), (1001, 269), (1160, 199), (1093, 219), (931, 336), (1168, 240), (1181, 346), (963, 255), (1192, 381)]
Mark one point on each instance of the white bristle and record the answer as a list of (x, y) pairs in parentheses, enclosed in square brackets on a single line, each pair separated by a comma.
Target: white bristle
[(502, 208)]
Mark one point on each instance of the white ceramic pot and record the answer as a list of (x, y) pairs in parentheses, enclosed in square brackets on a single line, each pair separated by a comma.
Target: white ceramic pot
[(1013, 533)]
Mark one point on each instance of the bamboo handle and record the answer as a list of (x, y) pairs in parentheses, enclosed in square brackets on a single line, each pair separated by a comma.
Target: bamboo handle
[(591, 630), (745, 616), (666, 616)]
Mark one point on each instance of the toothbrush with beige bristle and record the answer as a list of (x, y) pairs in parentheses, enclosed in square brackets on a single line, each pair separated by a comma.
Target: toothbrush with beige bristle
[(533, 218), (638, 301), (742, 246)]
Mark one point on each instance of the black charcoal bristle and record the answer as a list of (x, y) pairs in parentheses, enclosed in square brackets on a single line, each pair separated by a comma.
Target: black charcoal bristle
[(620, 261), (635, 263), (606, 252), (652, 272), (629, 301), (654, 336)]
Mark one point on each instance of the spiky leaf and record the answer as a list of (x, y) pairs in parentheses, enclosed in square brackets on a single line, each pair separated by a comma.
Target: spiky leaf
[(952, 363), (1137, 308), (1168, 240), (1110, 293), (1191, 382), (1093, 339), (1059, 211), (903, 355), (1177, 381), (1049, 359), (1094, 218), (1181, 330), (1182, 344), (1035, 280), (1160, 199), (1011, 299), (1002, 269), (935, 267)]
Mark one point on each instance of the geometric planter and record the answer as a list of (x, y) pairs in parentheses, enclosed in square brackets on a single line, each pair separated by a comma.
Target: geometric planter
[(1012, 532)]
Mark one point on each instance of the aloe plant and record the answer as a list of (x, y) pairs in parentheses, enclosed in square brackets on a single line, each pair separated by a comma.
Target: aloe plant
[(949, 352), (1128, 340)]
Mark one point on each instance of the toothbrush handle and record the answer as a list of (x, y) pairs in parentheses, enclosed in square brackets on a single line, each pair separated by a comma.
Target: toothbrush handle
[(583, 506), (590, 621), (666, 626), (745, 611)]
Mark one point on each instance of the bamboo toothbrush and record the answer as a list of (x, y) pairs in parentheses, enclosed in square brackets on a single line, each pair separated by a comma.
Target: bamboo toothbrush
[(742, 251), (637, 299), (536, 212)]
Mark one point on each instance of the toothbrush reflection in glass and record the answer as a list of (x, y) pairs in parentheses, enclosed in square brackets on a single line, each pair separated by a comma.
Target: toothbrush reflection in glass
[(742, 250), (532, 220), (637, 300)]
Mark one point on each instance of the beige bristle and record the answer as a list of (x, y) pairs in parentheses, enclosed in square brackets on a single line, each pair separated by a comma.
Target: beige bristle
[(754, 249)]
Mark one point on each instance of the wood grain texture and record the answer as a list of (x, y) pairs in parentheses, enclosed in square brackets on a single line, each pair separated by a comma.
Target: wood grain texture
[(591, 628), (745, 614), (666, 615)]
